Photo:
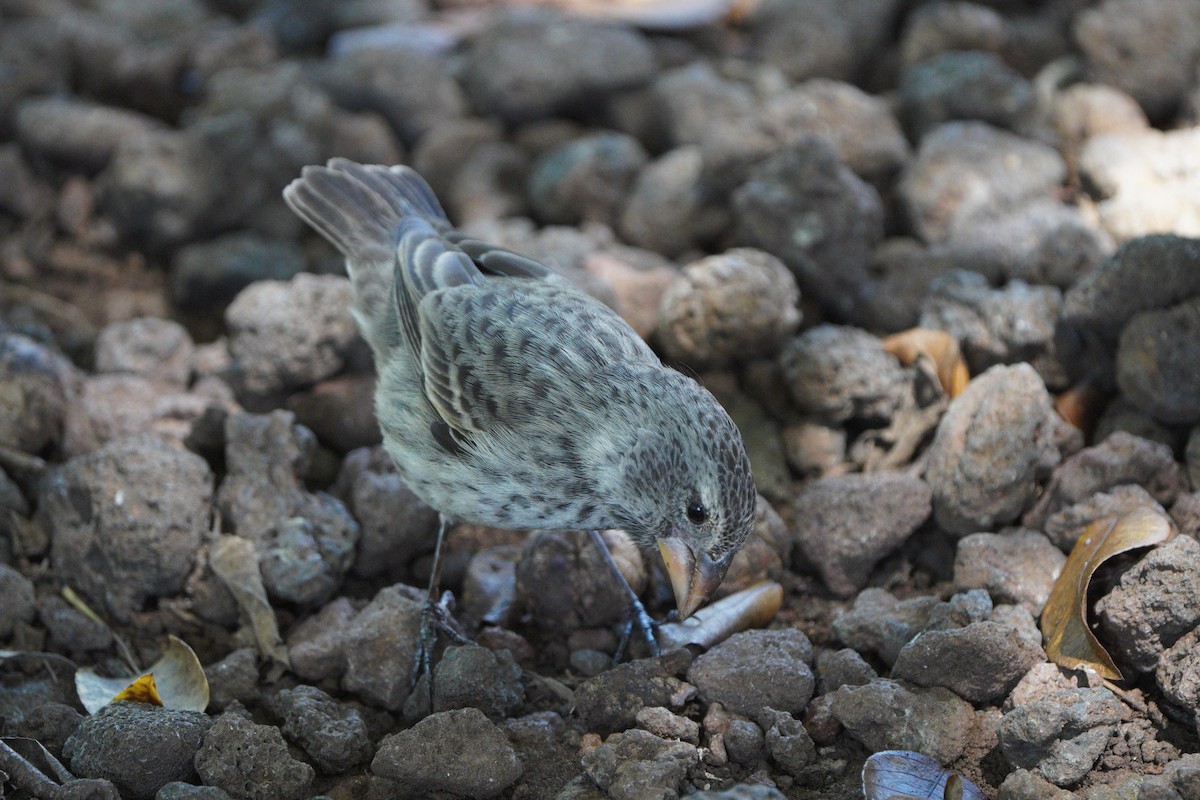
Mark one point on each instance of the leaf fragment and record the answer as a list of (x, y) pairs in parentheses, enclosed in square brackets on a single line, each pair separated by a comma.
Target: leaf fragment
[(939, 348), (176, 680), (235, 561), (1070, 642)]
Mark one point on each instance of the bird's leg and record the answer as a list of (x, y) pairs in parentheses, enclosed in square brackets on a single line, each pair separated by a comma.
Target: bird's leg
[(436, 617), (638, 618)]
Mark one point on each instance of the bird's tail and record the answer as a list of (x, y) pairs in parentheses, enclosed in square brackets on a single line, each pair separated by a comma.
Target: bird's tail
[(359, 208)]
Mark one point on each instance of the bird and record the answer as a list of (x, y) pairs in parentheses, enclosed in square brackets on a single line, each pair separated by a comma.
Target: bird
[(509, 398)]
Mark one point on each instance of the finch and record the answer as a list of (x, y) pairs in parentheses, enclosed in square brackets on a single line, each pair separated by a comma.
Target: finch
[(509, 398)]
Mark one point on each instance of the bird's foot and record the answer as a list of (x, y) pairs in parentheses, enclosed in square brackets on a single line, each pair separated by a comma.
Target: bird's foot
[(437, 620), (641, 622)]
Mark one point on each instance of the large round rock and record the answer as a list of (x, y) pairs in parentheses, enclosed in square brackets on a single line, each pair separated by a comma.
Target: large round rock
[(755, 670)]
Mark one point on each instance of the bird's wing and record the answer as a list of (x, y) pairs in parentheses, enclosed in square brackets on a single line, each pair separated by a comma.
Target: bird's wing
[(510, 354)]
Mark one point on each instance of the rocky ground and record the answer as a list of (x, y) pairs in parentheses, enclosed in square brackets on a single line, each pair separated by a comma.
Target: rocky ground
[(764, 197)]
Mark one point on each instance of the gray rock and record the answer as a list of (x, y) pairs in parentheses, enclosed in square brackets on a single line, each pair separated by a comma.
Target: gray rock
[(724, 306), (845, 667), (1156, 356), (340, 411), (333, 734), (51, 724), (251, 762), (206, 276), (1155, 603), (1064, 527), (162, 187), (741, 791), (38, 382), (806, 207), (962, 84), (138, 747), (839, 373), (287, 335), (76, 132), (821, 39), (757, 669), (980, 662), (1141, 50), (1186, 514), (233, 679), (587, 179), (692, 100), (547, 747), (997, 326), (1120, 459), (1022, 784), (880, 624), (847, 524), (997, 442), (861, 126), (379, 648), (127, 522), (178, 790), (112, 406), (1060, 736), (475, 677), (530, 65), (1122, 415), (1014, 566), (22, 193), (611, 700), (1178, 672), (637, 764), (305, 541), (787, 742), (888, 715), (744, 742), (564, 583), (665, 210), (932, 29), (158, 349), (459, 752), (414, 91), (961, 177), (396, 525), (19, 602), (317, 645)]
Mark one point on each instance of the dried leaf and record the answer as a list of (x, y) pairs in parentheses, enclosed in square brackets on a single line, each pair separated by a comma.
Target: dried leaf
[(235, 561), (1069, 641), (939, 347), (749, 608), (1081, 405), (903, 774), (176, 680)]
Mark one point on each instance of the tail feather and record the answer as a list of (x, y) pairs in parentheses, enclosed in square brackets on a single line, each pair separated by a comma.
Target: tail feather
[(359, 210)]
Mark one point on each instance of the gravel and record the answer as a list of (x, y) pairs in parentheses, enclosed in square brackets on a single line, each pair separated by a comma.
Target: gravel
[(763, 199)]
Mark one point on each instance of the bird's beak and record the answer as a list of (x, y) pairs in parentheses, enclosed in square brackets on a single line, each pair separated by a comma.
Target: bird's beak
[(694, 574)]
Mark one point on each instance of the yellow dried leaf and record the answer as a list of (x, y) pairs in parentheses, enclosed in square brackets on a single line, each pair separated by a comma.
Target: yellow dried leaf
[(754, 607), (142, 690), (176, 680), (235, 561), (940, 348), (1069, 641)]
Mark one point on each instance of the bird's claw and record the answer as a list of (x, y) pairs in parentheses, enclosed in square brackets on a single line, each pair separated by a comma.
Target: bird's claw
[(641, 621), (437, 618)]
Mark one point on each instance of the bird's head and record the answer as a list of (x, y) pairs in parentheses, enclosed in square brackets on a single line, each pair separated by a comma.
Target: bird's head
[(690, 494)]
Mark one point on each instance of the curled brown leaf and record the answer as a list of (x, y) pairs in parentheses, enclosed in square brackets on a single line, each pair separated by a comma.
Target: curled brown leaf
[(940, 348)]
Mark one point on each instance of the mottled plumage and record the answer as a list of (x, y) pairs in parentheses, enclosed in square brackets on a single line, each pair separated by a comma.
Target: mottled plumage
[(509, 398)]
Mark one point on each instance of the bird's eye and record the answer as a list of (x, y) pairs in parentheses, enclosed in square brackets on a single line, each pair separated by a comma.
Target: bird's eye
[(696, 512)]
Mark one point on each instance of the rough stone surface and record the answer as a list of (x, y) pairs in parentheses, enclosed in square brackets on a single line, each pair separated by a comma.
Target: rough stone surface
[(158, 349), (334, 735), (1015, 566), (888, 715), (1060, 736), (1155, 602), (37, 382), (997, 442), (841, 373), (137, 746), (459, 752), (127, 521), (880, 624), (846, 525), (611, 700), (967, 172), (806, 207), (251, 762), (757, 669), (723, 306), (979, 662), (1155, 358), (587, 179), (637, 764)]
